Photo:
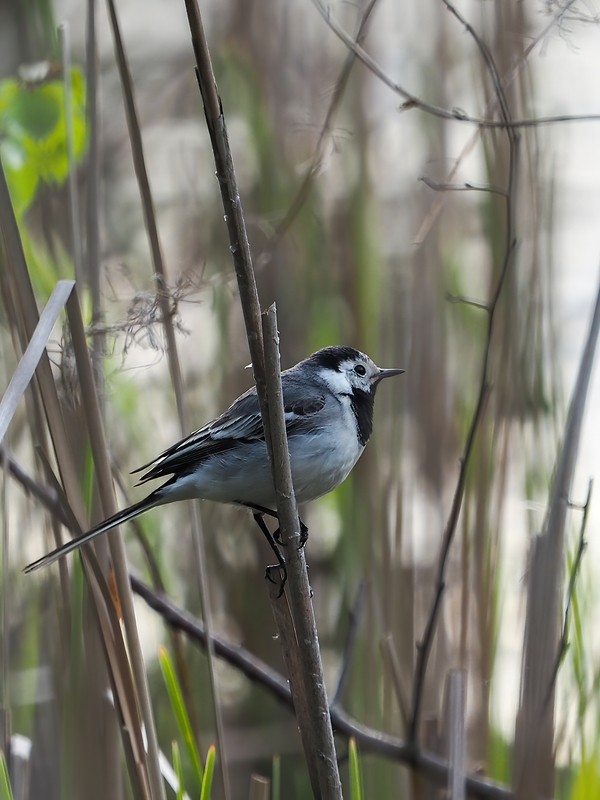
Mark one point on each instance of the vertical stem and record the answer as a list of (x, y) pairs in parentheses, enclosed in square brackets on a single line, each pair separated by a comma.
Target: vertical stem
[(299, 594)]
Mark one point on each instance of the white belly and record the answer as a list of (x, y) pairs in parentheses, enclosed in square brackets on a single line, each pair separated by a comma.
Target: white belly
[(243, 475)]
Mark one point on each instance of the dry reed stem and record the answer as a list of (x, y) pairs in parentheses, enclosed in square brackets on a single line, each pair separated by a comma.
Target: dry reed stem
[(454, 732), (9, 403), (101, 458), (164, 300), (534, 732), (24, 300), (260, 788), (64, 40), (91, 265)]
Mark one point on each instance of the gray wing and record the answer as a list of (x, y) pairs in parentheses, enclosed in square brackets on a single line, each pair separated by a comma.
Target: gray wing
[(240, 424)]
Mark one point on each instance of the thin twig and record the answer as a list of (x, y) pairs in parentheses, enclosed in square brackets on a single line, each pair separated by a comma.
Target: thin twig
[(272, 419), (390, 660), (564, 638), (456, 299), (315, 162), (490, 108), (32, 487), (349, 644), (413, 101), (426, 642), (461, 187), (164, 299)]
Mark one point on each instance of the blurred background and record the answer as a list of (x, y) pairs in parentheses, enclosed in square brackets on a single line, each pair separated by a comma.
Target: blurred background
[(370, 225)]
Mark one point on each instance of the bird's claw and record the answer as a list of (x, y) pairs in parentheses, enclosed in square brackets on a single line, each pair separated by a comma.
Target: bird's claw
[(303, 535), (281, 577)]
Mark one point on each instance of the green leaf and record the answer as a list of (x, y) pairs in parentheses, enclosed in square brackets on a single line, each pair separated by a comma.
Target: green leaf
[(180, 711), (208, 773), (37, 111), (33, 134)]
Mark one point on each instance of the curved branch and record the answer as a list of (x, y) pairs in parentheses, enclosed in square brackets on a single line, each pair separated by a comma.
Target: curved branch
[(256, 670), (413, 101)]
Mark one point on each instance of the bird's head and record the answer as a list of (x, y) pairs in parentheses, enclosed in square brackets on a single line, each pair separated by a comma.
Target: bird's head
[(348, 371)]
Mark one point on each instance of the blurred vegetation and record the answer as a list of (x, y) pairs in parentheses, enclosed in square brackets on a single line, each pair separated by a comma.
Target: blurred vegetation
[(347, 268)]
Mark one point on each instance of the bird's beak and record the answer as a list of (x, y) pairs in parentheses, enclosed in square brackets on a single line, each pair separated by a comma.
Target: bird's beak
[(387, 373)]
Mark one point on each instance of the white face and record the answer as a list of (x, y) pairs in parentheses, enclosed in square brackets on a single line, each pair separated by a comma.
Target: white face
[(354, 373)]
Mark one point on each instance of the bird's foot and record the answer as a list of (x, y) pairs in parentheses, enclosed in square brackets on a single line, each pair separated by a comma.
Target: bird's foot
[(303, 536)]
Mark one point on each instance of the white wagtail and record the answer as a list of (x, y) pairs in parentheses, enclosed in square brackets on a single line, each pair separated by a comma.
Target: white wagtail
[(328, 400)]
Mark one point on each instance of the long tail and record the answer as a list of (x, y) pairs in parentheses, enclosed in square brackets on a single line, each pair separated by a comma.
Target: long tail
[(122, 516)]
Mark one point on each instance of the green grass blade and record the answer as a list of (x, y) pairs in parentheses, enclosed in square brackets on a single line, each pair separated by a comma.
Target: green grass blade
[(5, 790), (178, 770), (356, 792), (180, 711), (208, 773)]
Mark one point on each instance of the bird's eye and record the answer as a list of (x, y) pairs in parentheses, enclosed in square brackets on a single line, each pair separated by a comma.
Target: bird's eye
[(360, 370)]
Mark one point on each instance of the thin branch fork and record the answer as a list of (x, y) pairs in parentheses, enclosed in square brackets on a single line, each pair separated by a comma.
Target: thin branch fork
[(320, 734)]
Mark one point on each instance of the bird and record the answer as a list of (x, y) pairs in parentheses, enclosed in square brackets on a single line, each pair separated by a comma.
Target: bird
[(328, 401)]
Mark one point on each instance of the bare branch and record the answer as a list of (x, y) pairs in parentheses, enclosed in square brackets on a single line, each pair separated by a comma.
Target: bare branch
[(271, 406), (369, 739), (313, 694), (315, 162), (461, 187), (426, 643), (350, 642), (456, 299), (412, 101)]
